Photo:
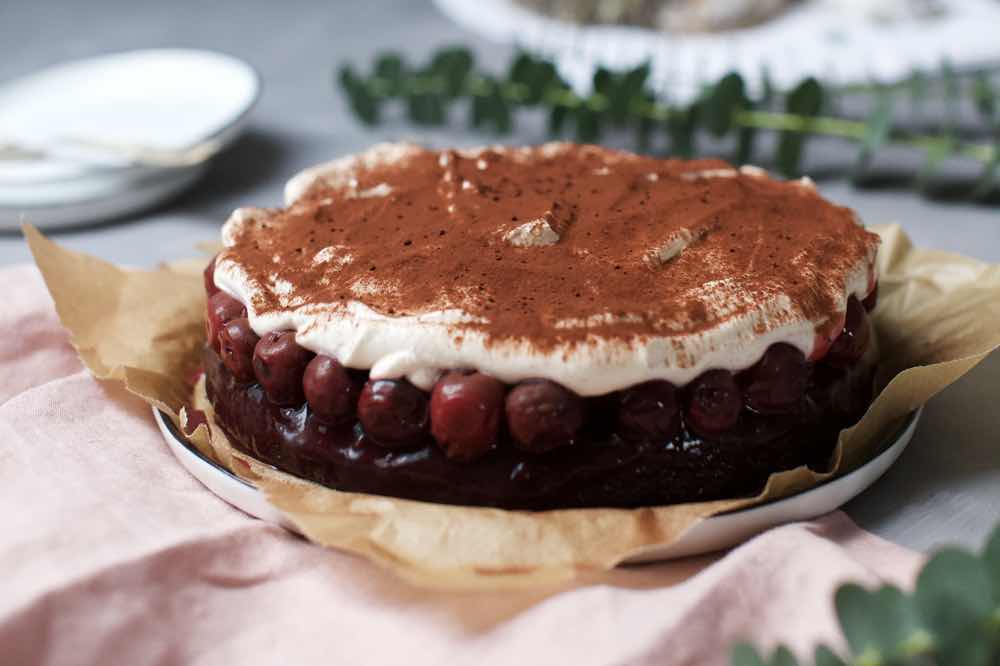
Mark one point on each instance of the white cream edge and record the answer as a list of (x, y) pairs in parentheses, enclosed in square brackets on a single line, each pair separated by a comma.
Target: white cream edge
[(421, 347)]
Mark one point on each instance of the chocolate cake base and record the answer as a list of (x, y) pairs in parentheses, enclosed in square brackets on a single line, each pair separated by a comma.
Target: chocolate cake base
[(600, 470)]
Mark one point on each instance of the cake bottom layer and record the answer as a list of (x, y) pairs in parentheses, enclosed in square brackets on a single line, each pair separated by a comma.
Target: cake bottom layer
[(600, 470)]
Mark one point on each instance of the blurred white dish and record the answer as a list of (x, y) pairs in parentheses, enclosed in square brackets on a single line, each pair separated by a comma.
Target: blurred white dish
[(709, 535), (160, 99), (821, 38), (96, 199)]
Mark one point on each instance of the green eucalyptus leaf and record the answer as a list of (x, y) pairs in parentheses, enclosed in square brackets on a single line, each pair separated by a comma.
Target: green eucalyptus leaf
[(476, 112), (954, 599), (853, 604), (746, 655), (417, 108), (390, 69), (425, 103), (805, 100), (970, 648), (936, 154), (453, 66), (489, 106), (618, 104), (557, 118), (768, 92), (745, 142), (681, 126), (588, 123), (783, 657), (720, 106), (604, 80), (362, 102), (991, 558), (644, 128), (989, 181), (789, 154), (536, 75), (824, 656), (877, 622), (522, 68), (985, 97), (879, 125), (917, 86), (634, 80), (502, 117), (346, 79)]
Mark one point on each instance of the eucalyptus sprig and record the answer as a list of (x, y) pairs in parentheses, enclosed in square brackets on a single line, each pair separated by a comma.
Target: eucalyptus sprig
[(626, 101), (951, 619)]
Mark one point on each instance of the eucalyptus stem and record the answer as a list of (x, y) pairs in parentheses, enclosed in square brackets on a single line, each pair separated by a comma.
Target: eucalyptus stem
[(790, 122), (856, 130), (624, 100)]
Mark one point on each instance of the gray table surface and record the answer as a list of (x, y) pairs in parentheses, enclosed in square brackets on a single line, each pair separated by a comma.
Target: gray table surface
[(944, 489)]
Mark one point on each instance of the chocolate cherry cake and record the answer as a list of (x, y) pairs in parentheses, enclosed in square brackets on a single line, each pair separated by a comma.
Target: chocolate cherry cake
[(546, 327)]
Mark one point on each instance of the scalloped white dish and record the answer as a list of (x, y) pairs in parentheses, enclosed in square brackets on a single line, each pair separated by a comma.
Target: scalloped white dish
[(712, 534), (814, 38)]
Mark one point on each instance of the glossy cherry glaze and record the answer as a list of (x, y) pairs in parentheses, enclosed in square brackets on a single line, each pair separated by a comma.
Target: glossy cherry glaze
[(542, 415), (237, 342), (393, 412), (279, 364), (467, 409), (601, 468), (221, 309), (330, 390)]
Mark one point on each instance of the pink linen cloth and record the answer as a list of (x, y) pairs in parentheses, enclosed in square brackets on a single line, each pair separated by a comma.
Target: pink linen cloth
[(112, 554)]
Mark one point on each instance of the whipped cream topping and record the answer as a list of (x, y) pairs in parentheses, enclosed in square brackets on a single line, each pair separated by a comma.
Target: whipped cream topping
[(409, 262)]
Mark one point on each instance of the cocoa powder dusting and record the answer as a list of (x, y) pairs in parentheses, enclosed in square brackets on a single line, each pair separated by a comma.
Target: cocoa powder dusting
[(556, 244)]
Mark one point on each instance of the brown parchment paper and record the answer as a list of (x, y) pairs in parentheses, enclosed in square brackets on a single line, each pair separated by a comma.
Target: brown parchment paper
[(938, 316)]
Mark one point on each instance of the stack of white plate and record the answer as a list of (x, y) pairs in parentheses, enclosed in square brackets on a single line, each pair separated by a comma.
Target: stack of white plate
[(102, 138)]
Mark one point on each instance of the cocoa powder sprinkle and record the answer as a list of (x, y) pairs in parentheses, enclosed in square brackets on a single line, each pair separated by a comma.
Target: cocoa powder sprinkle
[(640, 241)]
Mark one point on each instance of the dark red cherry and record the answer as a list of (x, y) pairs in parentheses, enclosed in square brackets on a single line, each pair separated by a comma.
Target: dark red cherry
[(393, 412), (222, 308), (236, 346), (871, 300), (543, 415), (209, 276), (279, 363), (330, 390), (649, 411), (714, 403), (466, 410), (777, 383), (850, 346)]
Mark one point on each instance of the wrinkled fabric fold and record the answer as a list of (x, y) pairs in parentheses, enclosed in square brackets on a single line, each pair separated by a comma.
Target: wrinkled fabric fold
[(113, 554)]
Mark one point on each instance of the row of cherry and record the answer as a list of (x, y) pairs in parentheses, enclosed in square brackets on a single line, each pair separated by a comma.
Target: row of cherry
[(466, 411)]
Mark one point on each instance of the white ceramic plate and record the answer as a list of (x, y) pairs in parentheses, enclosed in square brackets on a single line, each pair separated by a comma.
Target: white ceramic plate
[(815, 38), (707, 536), (168, 99)]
